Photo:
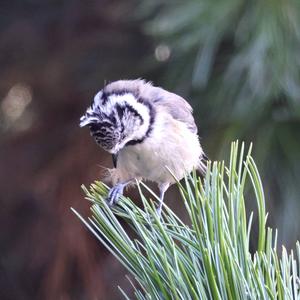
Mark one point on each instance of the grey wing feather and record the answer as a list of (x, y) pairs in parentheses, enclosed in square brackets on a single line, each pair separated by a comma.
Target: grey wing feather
[(178, 108)]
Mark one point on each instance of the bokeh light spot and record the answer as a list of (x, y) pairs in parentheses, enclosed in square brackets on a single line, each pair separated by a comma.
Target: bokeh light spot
[(15, 102), (162, 52)]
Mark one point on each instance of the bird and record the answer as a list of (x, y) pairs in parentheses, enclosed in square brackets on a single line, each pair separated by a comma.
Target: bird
[(150, 132)]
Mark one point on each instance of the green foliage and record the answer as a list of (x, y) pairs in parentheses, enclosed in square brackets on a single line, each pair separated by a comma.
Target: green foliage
[(208, 258), (262, 37)]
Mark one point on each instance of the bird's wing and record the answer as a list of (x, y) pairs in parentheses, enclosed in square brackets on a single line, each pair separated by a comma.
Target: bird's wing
[(177, 107)]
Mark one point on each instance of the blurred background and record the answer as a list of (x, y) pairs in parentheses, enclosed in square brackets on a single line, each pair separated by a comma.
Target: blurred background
[(237, 62)]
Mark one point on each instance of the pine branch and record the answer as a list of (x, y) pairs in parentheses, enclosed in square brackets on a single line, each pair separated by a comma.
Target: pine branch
[(209, 259)]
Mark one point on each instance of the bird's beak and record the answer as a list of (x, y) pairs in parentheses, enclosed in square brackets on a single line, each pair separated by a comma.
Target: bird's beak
[(115, 159)]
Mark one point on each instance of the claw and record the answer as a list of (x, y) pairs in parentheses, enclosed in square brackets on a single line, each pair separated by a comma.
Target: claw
[(114, 194)]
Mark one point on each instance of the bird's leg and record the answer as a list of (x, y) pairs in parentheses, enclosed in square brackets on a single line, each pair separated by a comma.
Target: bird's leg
[(162, 189), (115, 192)]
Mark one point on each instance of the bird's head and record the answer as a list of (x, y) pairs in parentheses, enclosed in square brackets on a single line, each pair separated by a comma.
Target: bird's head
[(116, 119), (105, 132)]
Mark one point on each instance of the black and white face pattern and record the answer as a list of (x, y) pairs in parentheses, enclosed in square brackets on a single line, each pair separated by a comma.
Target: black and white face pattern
[(106, 134), (117, 120)]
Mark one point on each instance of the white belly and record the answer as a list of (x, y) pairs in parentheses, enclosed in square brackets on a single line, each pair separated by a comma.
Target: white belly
[(174, 149)]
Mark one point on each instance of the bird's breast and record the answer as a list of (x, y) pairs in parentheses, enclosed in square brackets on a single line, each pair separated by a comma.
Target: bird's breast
[(171, 150)]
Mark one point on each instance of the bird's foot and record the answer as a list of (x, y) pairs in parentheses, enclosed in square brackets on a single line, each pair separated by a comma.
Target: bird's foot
[(114, 194)]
